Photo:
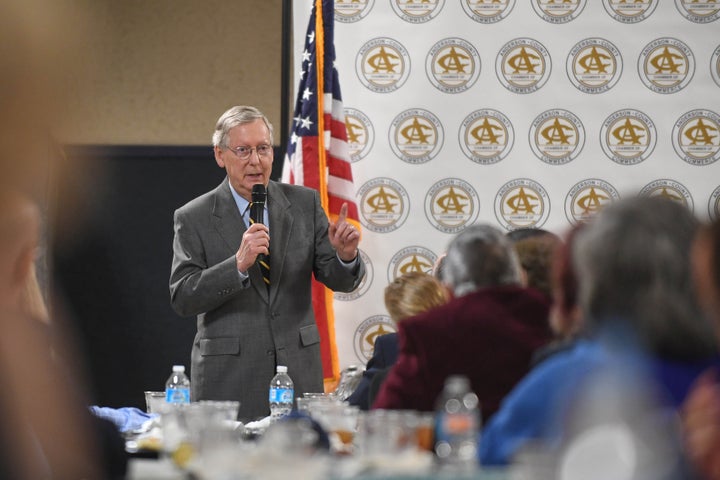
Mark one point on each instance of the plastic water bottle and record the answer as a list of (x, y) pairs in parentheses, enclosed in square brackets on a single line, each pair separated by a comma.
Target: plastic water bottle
[(457, 423), (177, 387), (281, 393)]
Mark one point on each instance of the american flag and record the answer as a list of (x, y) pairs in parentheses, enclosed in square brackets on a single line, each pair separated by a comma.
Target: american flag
[(317, 153)]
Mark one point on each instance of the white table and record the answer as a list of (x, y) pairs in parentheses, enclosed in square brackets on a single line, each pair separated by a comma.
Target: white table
[(152, 469)]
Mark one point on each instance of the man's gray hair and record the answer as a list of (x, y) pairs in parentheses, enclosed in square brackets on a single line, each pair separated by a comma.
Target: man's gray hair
[(233, 117), (480, 256), (633, 267)]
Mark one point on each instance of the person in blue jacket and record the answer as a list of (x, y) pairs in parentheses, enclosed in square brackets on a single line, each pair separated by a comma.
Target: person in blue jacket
[(644, 342)]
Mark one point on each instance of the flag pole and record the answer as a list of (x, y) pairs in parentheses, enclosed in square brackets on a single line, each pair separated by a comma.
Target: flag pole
[(320, 79)]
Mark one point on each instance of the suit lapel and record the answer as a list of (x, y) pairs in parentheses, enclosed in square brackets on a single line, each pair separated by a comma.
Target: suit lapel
[(280, 227), (231, 227)]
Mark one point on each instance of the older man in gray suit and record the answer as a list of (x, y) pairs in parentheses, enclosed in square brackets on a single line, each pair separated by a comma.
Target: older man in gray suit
[(245, 325)]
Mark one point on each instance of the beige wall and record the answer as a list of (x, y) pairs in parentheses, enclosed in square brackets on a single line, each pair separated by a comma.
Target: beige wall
[(160, 72)]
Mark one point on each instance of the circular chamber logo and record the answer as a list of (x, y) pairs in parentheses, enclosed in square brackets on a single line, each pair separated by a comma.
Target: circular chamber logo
[(586, 198), (360, 134), (486, 136), (715, 65), (364, 283), (451, 204), (558, 12), (417, 12), (696, 137), (669, 189), (666, 65), (452, 65), (523, 65), (630, 12), (699, 11), (628, 137), (522, 203), (416, 136), (594, 65), (384, 205), (487, 12), (714, 205), (382, 65), (411, 259), (367, 331), (350, 11), (557, 136)]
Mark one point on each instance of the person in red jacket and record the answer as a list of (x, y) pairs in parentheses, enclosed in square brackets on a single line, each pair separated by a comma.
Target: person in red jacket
[(488, 331)]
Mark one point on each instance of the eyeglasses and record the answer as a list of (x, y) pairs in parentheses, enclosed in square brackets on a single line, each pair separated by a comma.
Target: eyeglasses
[(243, 152)]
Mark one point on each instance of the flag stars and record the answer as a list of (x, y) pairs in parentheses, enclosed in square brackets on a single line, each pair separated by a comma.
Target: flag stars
[(311, 37), (294, 138), (306, 94), (305, 123), (305, 56)]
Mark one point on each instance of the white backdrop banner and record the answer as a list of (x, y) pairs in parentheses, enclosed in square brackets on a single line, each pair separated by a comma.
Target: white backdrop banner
[(517, 113)]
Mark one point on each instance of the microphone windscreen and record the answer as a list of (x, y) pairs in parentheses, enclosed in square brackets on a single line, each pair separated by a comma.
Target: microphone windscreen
[(259, 193)]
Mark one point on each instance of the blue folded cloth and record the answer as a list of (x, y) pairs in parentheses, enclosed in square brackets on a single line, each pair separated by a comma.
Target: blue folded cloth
[(125, 419)]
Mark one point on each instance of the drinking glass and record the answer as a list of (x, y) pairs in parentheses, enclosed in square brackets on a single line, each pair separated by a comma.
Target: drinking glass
[(154, 401)]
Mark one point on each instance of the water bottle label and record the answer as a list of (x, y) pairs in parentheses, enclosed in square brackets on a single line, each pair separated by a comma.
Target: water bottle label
[(281, 395), (177, 395), (458, 424), (450, 426)]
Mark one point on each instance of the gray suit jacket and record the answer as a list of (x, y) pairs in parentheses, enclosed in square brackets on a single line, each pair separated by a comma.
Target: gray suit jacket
[(244, 331)]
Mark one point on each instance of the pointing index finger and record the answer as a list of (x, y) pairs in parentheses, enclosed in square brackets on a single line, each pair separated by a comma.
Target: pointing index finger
[(343, 213)]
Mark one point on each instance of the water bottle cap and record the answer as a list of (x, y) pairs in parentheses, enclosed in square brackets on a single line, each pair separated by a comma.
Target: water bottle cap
[(178, 368), (457, 382), (281, 369)]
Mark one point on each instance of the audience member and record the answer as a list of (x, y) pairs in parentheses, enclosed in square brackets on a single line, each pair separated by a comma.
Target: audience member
[(645, 343), (535, 248), (487, 332), (701, 425), (47, 431), (706, 270), (565, 317), (701, 411), (406, 296)]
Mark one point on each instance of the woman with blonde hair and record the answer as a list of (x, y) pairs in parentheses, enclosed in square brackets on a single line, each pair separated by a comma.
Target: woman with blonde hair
[(413, 293), (406, 296)]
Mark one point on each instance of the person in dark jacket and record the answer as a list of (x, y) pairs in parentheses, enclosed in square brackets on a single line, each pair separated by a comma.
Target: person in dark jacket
[(487, 332), (406, 296)]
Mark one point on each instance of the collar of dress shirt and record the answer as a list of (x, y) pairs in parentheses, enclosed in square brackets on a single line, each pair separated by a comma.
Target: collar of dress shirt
[(243, 205)]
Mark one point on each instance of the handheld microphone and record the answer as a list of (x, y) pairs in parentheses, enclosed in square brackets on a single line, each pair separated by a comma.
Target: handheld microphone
[(257, 208), (257, 211)]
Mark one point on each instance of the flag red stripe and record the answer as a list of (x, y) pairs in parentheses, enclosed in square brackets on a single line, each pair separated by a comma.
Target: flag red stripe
[(337, 202), (339, 168), (310, 168)]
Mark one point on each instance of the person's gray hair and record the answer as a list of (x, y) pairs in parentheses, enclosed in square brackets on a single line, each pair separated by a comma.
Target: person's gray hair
[(634, 267), (480, 256), (234, 116)]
